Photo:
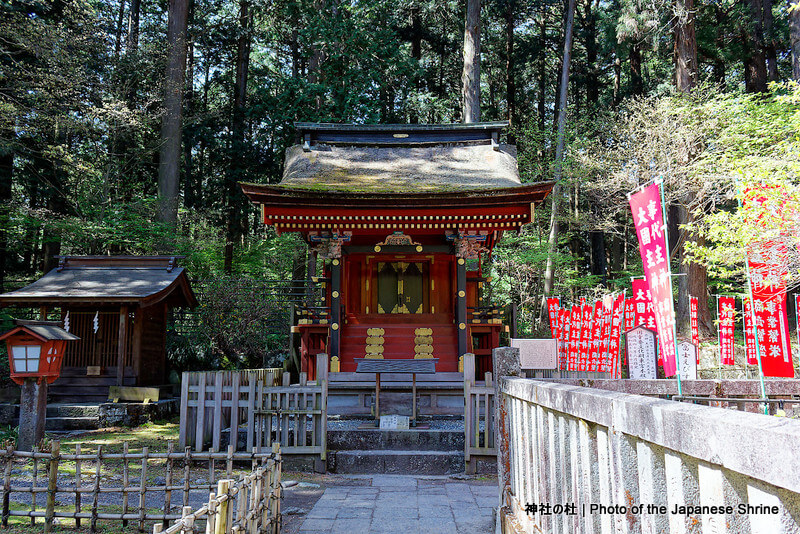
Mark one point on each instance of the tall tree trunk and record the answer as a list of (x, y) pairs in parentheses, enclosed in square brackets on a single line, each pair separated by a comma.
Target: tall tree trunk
[(511, 88), (755, 60), (592, 79), (189, 178), (542, 69), (794, 37), (685, 46), (233, 196), (552, 242), (635, 58), (719, 41), (118, 36), (132, 43), (770, 47), (6, 178), (416, 55), (471, 77), (169, 165)]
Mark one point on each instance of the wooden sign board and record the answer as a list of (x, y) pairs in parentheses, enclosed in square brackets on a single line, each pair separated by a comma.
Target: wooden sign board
[(640, 347), (537, 353), (93, 370), (687, 357), (394, 422)]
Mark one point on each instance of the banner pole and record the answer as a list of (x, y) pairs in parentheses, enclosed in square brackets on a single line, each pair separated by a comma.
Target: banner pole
[(660, 182), (753, 318)]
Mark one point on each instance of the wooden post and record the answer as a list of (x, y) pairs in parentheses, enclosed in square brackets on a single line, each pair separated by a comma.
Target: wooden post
[(211, 518), (96, 489), (77, 484), (122, 345), (377, 399), (413, 399), (52, 484), (322, 380), (143, 488), (158, 528), (187, 464), (125, 482), (217, 426), (469, 415), (184, 409), (32, 413), (136, 350), (7, 484), (168, 481), (221, 524), (461, 305), (336, 307), (187, 518)]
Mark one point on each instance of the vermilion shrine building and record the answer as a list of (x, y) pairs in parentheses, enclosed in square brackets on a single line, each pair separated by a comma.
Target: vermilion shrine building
[(405, 217)]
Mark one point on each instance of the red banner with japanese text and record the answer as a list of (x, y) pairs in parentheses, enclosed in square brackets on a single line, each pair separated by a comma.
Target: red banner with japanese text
[(617, 314), (564, 330), (603, 361), (797, 313), (594, 346), (726, 312), (586, 334), (749, 336), (630, 314), (553, 305), (694, 324), (643, 309), (767, 263), (648, 220), (574, 337)]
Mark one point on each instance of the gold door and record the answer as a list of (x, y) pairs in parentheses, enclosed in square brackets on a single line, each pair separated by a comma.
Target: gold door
[(400, 287)]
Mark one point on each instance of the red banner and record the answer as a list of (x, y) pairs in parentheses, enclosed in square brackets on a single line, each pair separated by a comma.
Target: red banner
[(563, 352), (574, 337), (726, 312), (586, 334), (749, 337), (552, 308), (694, 324), (768, 284), (630, 314), (614, 335), (594, 344), (797, 312), (643, 306), (648, 220)]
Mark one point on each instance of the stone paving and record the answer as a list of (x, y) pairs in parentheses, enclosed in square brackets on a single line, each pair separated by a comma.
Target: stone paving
[(404, 504)]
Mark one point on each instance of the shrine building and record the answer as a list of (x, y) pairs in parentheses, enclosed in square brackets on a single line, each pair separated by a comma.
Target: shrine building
[(404, 217)]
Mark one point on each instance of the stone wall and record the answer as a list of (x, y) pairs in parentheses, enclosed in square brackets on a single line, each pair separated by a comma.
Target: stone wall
[(609, 453)]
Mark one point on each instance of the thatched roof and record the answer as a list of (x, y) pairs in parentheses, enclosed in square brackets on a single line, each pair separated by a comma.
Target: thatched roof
[(107, 280), (401, 168)]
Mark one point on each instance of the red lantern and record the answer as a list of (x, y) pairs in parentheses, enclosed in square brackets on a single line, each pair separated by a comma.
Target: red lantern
[(36, 349)]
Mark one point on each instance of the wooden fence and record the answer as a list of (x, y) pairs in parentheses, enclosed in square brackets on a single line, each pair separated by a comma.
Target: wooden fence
[(262, 403), (478, 412), (251, 504), (92, 486)]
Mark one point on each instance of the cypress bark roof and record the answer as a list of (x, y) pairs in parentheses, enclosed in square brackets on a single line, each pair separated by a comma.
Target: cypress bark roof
[(401, 169), (108, 280)]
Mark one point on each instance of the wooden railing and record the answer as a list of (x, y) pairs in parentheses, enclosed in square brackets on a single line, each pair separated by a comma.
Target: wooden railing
[(479, 435), (219, 402), (101, 486), (251, 504)]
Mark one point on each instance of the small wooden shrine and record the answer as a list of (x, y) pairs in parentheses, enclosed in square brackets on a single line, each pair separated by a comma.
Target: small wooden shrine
[(404, 217), (117, 306)]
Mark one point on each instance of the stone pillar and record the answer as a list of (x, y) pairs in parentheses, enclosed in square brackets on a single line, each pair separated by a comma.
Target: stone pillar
[(505, 364), (461, 305), (32, 413), (336, 306)]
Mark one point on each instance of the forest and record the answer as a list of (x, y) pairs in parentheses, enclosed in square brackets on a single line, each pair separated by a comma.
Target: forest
[(125, 126)]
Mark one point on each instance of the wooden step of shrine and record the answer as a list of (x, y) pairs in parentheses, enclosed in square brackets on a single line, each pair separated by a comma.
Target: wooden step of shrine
[(396, 440)]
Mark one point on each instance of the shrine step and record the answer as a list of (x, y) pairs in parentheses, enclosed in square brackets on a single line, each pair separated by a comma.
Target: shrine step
[(396, 440), (420, 462), (72, 423)]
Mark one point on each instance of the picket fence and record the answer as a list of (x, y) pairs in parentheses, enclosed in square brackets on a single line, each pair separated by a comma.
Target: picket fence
[(99, 479), (263, 403), (478, 412)]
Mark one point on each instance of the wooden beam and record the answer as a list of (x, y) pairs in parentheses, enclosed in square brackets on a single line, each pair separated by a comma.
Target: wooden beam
[(461, 305), (138, 328), (122, 345), (336, 310)]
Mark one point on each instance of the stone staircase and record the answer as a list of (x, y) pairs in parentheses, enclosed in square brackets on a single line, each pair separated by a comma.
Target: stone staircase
[(66, 417), (375, 451)]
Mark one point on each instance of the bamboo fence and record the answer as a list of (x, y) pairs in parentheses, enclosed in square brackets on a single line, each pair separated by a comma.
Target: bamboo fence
[(88, 489), (251, 504)]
